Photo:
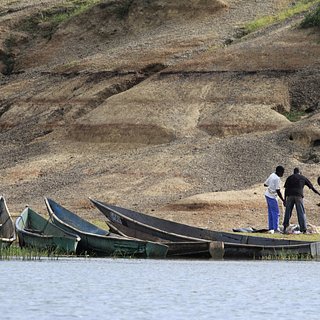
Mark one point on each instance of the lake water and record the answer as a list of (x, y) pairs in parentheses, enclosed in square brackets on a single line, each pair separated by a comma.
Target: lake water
[(159, 289)]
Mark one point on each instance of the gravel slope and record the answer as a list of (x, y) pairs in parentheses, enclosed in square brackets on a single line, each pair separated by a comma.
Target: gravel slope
[(196, 121)]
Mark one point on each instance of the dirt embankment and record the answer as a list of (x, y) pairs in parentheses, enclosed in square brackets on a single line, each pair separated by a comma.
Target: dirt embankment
[(146, 106)]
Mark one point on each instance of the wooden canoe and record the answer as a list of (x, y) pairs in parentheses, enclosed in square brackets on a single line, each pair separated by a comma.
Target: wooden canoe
[(97, 241), (7, 230), (292, 251), (38, 232), (181, 249), (173, 231), (207, 249)]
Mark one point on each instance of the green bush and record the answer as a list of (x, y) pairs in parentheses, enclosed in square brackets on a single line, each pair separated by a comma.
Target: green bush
[(294, 116), (312, 19)]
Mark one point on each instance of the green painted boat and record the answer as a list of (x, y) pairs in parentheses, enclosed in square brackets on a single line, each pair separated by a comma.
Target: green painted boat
[(100, 242), (7, 230), (38, 232)]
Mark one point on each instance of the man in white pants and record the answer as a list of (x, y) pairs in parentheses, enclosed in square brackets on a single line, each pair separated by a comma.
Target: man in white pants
[(271, 194)]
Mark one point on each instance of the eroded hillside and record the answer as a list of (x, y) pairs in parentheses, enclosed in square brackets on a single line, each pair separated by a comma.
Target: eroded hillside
[(156, 106)]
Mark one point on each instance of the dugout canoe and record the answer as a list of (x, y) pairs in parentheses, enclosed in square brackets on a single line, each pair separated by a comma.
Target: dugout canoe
[(167, 230), (35, 231), (7, 230), (100, 242)]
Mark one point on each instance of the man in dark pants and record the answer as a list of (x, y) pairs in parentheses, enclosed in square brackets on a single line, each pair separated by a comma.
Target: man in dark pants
[(294, 197)]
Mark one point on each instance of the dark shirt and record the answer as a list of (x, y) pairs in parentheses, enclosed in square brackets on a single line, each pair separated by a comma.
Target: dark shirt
[(295, 183)]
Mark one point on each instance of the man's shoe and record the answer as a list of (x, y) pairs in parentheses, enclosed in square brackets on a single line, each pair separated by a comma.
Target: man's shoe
[(271, 231)]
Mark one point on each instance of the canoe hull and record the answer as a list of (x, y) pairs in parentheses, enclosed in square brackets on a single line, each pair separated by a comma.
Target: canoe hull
[(116, 247), (102, 243), (295, 251), (194, 249), (5, 243), (7, 229), (34, 231), (47, 243), (180, 249), (166, 230)]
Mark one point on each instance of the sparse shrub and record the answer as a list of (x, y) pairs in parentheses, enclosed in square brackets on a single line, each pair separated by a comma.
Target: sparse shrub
[(312, 19), (7, 57), (294, 116), (54, 16), (298, 7), (122, 10)]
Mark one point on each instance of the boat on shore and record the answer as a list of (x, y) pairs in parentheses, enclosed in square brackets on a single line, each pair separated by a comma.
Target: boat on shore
[(7, 230), (176, 249), (291, 251), (226, 250), (141, 225), (100, 242), (35, 231)]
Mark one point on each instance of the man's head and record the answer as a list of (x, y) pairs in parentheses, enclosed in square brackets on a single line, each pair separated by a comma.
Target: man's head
[(280, 171), (296, 170)]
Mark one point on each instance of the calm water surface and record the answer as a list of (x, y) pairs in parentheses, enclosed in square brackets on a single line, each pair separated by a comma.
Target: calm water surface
[(158, 289)]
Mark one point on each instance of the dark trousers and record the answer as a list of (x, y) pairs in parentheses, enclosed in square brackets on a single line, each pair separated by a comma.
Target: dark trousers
[(296, 201)]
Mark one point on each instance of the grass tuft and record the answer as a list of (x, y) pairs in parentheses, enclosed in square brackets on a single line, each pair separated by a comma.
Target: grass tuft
[(298, 7), (287, 256), (16, 253), (54, 16)]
